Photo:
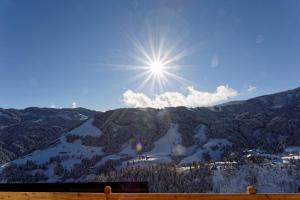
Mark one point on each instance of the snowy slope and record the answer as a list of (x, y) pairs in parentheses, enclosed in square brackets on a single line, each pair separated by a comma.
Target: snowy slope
[(200, 134), (169, 144), (75, 151), (86, 129), (68, 153), (165, 147), (214, 147), (196, 156)]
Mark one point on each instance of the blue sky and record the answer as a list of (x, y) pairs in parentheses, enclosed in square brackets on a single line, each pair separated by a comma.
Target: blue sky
[(56, 52)]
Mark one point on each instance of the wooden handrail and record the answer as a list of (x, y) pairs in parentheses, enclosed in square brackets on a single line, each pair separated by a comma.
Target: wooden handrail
[(107, 192), (109, 195), (251, 190)]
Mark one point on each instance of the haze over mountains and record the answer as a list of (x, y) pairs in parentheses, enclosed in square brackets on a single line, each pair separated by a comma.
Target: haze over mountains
[(50, 145)]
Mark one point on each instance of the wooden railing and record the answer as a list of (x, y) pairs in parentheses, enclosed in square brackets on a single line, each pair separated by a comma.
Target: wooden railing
[(108, 195)]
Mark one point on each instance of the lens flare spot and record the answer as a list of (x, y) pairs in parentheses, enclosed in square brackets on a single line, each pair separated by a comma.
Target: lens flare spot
[(139, 147)]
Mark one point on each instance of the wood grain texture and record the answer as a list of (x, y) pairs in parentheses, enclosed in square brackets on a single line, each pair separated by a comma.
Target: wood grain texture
[(141, 196), (50, 196)]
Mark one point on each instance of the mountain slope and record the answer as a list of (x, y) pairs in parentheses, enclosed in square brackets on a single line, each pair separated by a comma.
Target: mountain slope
[(265, 127), (22, 131)]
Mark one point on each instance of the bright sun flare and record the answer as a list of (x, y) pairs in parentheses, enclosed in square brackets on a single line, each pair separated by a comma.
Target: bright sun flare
[(157, 61), (156, 67)]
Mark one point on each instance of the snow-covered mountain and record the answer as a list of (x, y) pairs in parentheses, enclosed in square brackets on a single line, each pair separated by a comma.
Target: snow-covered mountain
[(22, 131), (262, 130)]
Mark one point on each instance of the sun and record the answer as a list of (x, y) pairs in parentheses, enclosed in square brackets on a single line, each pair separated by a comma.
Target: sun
[(156, 67), (157, 60)]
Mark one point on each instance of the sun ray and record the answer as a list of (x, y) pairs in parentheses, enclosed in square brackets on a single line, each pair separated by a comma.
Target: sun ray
[(157, 60), (160, 84), (141, 76), (125, 67), (175, 58), (161, 62), (153, 52), (178, 78), (144, 82), (142, 50), (140, 59), (160, 48)]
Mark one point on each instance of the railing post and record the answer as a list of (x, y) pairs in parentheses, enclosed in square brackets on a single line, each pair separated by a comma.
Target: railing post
[(251, 190), (107, 192)]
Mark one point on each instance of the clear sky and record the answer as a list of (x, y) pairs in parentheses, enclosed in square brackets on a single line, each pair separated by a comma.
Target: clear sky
[(59, 52)]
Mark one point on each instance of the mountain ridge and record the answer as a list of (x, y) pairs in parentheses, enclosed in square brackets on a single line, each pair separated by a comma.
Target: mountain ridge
[(265, 127)]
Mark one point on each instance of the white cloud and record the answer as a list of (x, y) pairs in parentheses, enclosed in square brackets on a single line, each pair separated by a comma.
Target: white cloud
[(251, 88), (74, 105), (193, 98), (52, 106), (214, 61)]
